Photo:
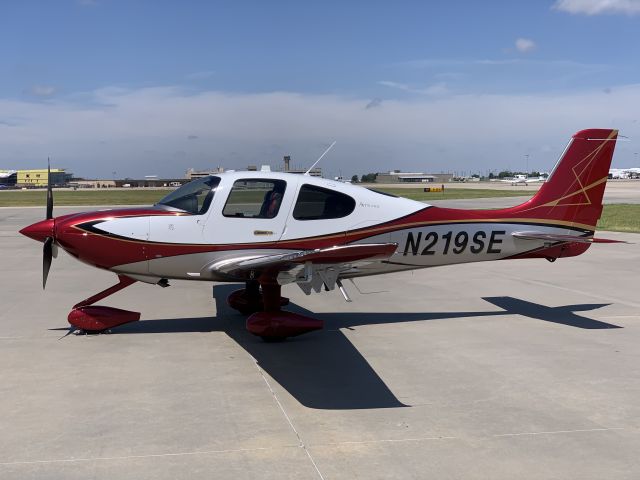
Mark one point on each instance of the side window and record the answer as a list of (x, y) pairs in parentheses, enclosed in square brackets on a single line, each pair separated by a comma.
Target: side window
[(317, 203), (255, 198)]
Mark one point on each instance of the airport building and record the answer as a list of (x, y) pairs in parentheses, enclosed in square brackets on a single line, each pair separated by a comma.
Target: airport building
[(8, 178), (129, 183), (81, 183), (396, 176), (40, 177), (287, 168), (314, 172), (151, 182), (192, 174)]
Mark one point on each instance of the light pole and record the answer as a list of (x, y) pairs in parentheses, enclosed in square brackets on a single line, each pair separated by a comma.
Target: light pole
[(527, 161)]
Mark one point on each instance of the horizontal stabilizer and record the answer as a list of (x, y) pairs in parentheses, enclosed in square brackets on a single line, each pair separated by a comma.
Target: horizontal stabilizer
[(552, 237)]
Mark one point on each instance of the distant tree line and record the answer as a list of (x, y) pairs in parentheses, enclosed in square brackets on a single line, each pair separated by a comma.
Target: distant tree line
[(367, 178)]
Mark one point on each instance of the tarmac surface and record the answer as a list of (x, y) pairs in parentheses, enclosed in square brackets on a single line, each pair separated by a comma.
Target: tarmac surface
[(500, 370)]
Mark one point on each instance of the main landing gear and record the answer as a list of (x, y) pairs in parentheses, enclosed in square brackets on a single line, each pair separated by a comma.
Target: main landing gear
[(263, 301), (91, 318)]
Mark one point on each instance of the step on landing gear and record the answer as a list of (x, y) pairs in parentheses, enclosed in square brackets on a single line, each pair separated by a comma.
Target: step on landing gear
[(90, 318), (273, 324)]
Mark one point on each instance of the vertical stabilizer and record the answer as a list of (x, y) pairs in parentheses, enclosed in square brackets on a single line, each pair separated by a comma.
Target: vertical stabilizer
[(574, 190)]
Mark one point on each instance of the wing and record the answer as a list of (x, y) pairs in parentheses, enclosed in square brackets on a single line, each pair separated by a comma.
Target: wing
[(553, 238), (308, 268)]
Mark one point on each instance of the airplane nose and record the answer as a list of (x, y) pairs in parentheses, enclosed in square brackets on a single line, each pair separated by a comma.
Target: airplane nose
[(40, 230)]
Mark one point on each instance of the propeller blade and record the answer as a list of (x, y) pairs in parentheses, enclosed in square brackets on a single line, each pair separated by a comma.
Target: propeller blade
[(71, 330), (47, 254), (49, 192)]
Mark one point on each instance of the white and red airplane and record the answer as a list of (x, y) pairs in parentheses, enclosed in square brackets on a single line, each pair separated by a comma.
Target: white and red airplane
[(272, 229), (521, 179)]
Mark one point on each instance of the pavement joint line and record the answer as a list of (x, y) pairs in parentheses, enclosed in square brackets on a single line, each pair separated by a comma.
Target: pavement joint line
[(286, 416), (151, 455), (257, 449), (496, 435)]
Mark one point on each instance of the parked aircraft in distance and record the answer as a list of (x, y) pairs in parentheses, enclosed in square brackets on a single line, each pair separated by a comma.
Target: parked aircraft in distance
[(622, 173), (522, 179), (271, 229)]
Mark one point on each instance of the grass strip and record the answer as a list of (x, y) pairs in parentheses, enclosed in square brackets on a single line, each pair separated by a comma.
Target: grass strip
[(34, 198), (454, 193), (622, 217)]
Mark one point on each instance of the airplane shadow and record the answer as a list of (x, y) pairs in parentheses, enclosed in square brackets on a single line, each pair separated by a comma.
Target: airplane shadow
[(563, 315), (323, 369)]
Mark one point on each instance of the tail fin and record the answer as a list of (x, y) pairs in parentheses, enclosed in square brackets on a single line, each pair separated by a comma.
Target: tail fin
[(573, 192)]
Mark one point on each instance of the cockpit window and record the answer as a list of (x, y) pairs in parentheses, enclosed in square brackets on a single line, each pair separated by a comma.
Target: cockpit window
[(194, 197), (255, 198)]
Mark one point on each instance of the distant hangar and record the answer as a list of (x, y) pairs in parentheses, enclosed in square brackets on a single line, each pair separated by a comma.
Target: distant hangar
[(396, 176)]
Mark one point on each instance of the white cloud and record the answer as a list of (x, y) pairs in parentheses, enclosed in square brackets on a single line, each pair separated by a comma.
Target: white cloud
[(488, 62), (201, 75), (435, 90), (42, 90), (598, 7), (401, 86), (144, 131), (525, 45)]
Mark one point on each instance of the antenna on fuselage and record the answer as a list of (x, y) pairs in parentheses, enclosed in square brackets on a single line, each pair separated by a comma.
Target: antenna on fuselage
[(320, 158)]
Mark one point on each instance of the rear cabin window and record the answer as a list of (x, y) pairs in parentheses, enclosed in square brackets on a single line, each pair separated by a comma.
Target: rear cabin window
[(317, 203), (255, 198)]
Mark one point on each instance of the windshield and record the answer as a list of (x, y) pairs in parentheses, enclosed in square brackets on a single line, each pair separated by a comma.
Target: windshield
[(193, 197)]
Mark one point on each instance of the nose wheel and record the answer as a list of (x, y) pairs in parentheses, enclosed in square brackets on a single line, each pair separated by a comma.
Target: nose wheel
[(90, 318)]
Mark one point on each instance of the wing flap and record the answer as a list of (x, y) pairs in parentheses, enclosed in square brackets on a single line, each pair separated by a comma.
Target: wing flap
[(325, 256)]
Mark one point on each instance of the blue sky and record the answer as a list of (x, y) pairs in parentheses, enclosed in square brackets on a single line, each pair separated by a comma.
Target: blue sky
[(157, 87)]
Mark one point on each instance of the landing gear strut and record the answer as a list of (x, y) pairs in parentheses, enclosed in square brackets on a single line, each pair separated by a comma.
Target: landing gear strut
[(96, 318), (274, 324), (249, 300)]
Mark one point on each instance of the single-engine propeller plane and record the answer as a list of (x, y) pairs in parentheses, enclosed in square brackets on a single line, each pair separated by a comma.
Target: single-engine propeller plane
[(272, 229), (521, 179)]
